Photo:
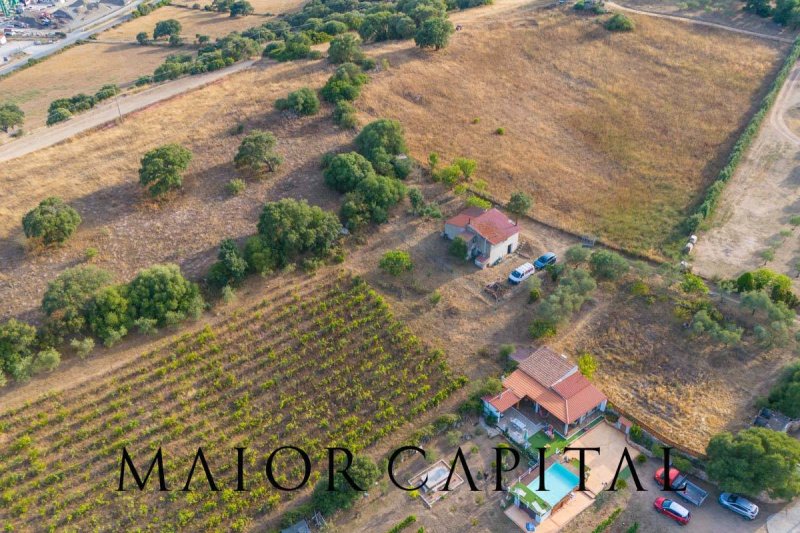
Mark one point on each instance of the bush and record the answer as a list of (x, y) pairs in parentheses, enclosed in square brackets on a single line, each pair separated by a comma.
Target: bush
[(161, 293), (51, 222), (82, 347), (108, 314), (381, 142), (371, 201), (608, 265), (785, 395), (344, 115), (236, 186), (587, 365), (231, 267), (291, 227), (142, 37), (459, 248), (295, 46), (345, 49), (10, 116), (346, 171), (434, 33), (364, 473), (67, 296), (302, 101), (259, 256), (241, 8), (161, 168), (257, 153), (619, 22), (46, 361), (344, 84), (396, 262), (17, 341), (166, 28)]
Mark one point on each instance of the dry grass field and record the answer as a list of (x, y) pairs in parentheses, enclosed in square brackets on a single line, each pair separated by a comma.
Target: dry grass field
[(117, 58), (614, 134)]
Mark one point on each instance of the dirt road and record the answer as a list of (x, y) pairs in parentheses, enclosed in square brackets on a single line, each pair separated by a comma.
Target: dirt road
[(760, 199), (112, 110)]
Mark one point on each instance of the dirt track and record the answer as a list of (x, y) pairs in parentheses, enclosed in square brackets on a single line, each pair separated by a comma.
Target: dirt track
[(760, 199)]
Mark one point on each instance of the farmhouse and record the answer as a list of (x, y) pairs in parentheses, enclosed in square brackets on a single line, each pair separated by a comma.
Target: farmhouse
[(548, 394), (489, 234)]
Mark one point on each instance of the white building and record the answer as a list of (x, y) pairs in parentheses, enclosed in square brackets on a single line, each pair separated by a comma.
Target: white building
[(490, 235)]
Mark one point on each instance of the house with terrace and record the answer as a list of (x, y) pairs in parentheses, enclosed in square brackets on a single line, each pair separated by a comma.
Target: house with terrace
[(545, 398), (489, 233)]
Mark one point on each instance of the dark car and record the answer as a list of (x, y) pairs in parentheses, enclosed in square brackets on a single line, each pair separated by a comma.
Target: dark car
[(674, 510), (547, 259), (739, 505)]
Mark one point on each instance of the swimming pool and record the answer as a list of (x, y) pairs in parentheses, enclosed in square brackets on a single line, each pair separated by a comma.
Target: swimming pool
[(559, 481)]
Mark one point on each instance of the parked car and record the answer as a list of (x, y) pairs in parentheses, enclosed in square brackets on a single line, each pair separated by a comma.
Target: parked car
[(521, 273), (739, 505), (683, 487), (547, 259), (672, 509)]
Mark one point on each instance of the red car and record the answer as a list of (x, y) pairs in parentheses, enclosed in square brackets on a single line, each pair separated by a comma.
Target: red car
[(674, 510)]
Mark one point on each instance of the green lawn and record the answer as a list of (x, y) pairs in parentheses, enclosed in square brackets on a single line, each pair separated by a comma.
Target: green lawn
[(540, 440)]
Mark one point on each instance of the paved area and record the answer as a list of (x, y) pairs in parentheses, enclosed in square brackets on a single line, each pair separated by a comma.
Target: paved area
[(603, 465)]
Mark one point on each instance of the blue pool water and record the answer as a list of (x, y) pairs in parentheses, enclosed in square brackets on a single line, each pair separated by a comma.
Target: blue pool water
[(558, 481)]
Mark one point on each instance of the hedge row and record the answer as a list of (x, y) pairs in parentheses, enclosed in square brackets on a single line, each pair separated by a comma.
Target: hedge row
[(706, 209)]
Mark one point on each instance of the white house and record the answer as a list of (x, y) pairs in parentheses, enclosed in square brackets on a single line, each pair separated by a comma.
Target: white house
[(490, 234)]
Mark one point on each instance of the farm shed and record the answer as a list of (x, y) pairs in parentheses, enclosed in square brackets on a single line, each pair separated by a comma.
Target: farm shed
[(490, 235)]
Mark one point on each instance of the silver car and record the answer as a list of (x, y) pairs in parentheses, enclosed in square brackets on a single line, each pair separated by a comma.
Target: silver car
[(739, 505)]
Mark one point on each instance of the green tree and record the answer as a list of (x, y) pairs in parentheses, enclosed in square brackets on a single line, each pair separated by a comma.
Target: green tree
[(59, 114), (67, 296), (755, 460), (587, 365), (161, 293), (519, 204), (345, 84), (302, 101), (292, 227), (693, 284), (381, 142), (142, 37), (17, 341), (241, 8), (576, 255), (107, 314), (345, 48), (260, 258), (396, 262), (619, 22), (344, 115), (257, 152), (346, 171), (785, 395), (51, 222), (162, 168), (434, 33), (762, 8), (608, 265), (458, 248), (11, 116), (371, 200), (363, 472), (46, 360), (165, 28), (231, 267)]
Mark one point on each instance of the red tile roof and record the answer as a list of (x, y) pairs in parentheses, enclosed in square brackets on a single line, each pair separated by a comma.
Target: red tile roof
[(550, 380), (494, 226), (463, 218), (503, 401)]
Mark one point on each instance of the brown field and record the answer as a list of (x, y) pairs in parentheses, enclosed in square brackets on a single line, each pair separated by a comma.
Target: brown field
[(78, 69), (612, 134)]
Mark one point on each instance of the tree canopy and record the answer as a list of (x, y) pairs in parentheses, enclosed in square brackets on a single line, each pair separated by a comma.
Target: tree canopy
[(107, 314), (66, 297), (345, 48), (162, 294), (52, 221), (291, 227), (434, 33), (381, 141), (303, 101), (396, 262), (608, 265), (346, 171), (165, 28), (755, 460), (785, 395), (162, 168), (257, 152), (519, 204), (11, 116)]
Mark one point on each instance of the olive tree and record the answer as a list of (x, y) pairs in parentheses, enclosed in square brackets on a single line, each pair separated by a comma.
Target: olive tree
[(434, 33), (162, 168), (11, 116), (346, 171), (51, 222), (257, 152), (161, 293), (395, 262), (67, 296)]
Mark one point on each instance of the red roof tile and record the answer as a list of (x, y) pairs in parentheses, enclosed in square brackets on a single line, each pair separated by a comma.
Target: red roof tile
[(546, 366), (464, 217), (503, 401), (571, 385), (494, 226)]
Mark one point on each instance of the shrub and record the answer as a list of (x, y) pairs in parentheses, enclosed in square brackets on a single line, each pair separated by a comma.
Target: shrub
[(59, 114), (108, 314), (175, 40), (106, 92), (10, 116), (346, 171), (17, 341), (241, 8), (51, 222), (259, 256), (396, 262), (162, 168), (344, 115), (345, 49), (231, 267), (785, 395), (90, 254), (162, 294), (477, 201), (46, 360), (236, 186), (381, 142), (608, 265), (434, 33), (67, 296), (82, 347), (519, 204), (142, 37), (458, 248), (587, 364), (371, 200), (295, 46), (302, 101), (619, 22), (166, 28), (500, 131), (344, 84), (257, 153), (364, 473), (291, 227)]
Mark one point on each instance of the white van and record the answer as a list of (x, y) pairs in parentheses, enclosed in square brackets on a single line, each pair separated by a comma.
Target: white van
[(521, 273)]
